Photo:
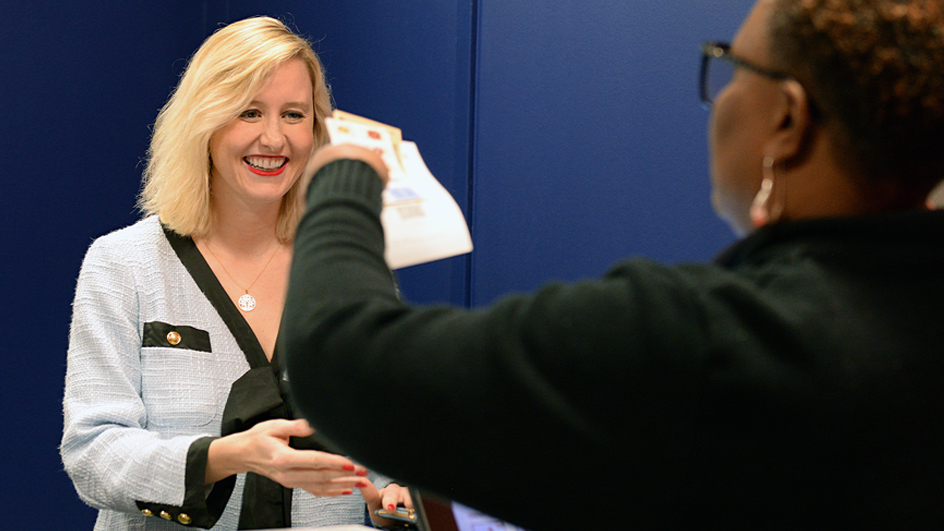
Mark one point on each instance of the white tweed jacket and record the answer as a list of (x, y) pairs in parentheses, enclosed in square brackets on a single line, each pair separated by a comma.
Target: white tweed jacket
[(132, 412)]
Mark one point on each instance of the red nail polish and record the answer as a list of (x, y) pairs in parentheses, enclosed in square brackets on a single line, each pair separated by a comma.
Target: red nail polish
[(361, 484), (363, 473), (391, 507), (348, 467), (348, 492)]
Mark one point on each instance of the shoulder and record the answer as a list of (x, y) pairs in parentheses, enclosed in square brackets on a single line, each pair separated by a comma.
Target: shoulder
[(144, 230), (142, 240), (646, 279)]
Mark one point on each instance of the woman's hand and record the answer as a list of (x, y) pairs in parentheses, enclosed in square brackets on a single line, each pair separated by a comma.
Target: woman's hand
[(389, 497), (264, 450), (331, 153)]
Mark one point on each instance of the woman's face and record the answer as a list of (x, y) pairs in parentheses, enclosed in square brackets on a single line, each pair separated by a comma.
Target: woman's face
[(741, 123), (259, 155)]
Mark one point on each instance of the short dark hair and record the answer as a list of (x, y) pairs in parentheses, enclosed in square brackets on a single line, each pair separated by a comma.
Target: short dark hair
[(876, 67)]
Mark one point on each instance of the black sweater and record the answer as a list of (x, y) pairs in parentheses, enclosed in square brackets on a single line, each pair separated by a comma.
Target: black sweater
[(795, 382)]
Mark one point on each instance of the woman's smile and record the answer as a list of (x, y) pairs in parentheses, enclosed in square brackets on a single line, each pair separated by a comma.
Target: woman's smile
[(266, 166), (262, 152)]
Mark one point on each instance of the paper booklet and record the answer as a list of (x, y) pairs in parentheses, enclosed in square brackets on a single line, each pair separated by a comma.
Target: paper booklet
[(421, 220)]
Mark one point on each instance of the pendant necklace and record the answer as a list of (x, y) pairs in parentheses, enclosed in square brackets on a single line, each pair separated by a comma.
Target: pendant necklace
[(246, 302)]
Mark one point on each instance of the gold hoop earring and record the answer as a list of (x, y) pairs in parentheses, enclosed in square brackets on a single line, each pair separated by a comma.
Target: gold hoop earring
[(764, 210)]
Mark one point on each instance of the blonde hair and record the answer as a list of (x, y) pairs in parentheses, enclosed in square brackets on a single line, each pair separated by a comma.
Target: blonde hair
[(221, 79)]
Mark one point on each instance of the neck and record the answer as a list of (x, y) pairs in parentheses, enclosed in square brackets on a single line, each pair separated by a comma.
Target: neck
[(244, 231), (838, 195), (823, 185)]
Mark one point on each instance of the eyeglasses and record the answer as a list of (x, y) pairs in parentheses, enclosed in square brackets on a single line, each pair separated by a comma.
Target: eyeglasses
[(717, 69)]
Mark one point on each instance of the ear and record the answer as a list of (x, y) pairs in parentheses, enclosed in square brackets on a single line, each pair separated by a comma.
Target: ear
[(793, 122)]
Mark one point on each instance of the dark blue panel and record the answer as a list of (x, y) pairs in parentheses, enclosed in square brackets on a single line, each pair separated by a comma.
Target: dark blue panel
[(589, 138), (406, 64), (81, 83)]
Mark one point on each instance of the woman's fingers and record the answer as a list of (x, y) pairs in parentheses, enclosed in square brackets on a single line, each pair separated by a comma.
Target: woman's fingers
[(321, 473), (319, 464), (321, 482), (283, 429), (374, 500), (275, 434), (330, 153), (371, 495), (388, 498), (394, 495)]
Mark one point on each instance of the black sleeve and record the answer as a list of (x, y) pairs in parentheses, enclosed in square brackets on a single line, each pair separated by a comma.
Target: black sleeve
[(537, 390), (200, 509)]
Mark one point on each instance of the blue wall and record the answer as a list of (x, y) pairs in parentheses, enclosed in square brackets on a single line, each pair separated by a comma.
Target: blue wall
[(589, 138), (81, 83), (568, 131)]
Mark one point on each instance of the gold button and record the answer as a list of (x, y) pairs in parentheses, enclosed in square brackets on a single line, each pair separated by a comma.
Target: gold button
[(147, 512), (173, 338), (184, 518), (166, 515)]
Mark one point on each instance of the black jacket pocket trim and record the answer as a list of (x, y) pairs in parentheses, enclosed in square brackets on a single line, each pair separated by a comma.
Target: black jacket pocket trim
[(158, 334)]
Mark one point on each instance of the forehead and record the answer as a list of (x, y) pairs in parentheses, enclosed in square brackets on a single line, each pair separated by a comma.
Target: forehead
[(290, 79), (752, 37)]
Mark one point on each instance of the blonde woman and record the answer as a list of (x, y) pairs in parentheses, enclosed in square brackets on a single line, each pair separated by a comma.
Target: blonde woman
[(173, 405)]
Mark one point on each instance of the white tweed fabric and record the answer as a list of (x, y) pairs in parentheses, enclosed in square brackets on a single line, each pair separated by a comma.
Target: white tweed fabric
[(131, 413)]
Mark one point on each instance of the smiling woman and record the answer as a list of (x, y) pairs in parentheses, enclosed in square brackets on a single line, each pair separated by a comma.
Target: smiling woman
[(173, 406), (258, 157), (175, 185)]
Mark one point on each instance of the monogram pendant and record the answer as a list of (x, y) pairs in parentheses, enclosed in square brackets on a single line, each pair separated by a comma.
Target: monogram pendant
[(247, 303)]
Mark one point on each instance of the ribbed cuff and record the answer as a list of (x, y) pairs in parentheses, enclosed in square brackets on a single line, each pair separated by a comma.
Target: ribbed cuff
[(348, 179)]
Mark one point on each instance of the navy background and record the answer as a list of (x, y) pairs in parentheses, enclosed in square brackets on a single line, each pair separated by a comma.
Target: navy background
[(569, 132)]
